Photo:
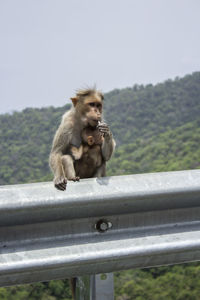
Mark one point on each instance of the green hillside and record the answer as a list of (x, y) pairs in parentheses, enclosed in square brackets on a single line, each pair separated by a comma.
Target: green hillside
[(175, 149), (134, 114), (145, 111), (157, 128), (25, 144)]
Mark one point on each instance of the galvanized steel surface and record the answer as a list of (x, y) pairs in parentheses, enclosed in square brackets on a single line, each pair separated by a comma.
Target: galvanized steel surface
[(98, 225)]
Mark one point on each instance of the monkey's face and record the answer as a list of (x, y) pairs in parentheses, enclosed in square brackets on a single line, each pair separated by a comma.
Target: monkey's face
[(93, 110)]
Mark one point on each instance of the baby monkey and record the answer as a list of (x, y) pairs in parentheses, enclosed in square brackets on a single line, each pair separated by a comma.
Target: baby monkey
[(88, 155)]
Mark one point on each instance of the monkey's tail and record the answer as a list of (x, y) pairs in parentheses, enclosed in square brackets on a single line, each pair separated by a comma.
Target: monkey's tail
[(73, 287)]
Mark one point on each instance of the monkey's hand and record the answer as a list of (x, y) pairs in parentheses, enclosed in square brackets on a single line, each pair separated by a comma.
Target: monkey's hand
[(108, 144), (105, 130), (60, 182)]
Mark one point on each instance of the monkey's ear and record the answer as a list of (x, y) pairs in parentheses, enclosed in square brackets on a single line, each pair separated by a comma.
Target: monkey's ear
[(74, 100)]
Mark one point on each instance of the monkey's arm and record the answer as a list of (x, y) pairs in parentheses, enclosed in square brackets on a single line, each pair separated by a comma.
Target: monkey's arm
[(108, 145)]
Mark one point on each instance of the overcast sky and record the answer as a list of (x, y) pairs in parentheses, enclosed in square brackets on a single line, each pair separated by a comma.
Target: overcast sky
[(49, 48)]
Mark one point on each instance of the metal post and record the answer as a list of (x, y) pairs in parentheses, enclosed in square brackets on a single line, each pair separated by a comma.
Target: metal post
[(95, 287), (83, 288)]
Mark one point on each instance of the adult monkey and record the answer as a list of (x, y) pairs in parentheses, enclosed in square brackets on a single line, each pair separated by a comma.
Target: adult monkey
[(85, 113)]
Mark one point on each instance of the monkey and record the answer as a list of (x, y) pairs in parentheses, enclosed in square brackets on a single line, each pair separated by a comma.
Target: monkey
[(83, 117)]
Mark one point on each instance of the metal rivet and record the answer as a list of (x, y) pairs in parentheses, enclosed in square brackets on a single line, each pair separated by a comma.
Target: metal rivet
[(103, 225)]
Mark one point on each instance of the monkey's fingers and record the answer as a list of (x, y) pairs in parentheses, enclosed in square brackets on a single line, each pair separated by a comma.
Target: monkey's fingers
[(105, 131), (60, 187), (103, 127), (60, 183), (75, 178)]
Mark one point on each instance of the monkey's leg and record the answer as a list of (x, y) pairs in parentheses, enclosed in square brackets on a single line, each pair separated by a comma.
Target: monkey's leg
[(60, 180), (68, 166)]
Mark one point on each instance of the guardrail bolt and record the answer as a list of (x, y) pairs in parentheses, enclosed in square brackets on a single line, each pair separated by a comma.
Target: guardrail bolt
[(103, 225)]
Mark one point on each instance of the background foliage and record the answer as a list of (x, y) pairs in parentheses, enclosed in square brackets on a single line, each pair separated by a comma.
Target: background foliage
[(157, 128)]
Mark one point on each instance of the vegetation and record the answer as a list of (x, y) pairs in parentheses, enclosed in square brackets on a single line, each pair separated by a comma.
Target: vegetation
[(55, 289), (175, 149), (157, 128), (180, 282)]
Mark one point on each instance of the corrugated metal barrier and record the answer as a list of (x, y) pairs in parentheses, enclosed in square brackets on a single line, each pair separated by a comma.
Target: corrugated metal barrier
[(98, 225)]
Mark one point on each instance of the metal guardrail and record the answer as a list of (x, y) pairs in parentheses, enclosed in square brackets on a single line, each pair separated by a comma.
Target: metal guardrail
[(98, 225)]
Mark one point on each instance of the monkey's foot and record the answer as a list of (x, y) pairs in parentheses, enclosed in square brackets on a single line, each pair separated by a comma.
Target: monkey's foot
[(60, 183), (76, 178)]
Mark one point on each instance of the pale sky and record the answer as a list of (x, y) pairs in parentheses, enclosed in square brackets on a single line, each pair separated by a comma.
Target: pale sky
[(49, 48)]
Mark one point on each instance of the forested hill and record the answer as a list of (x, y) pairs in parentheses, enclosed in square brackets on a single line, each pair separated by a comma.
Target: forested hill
[(136, 114), (144, 111), (173, 150)]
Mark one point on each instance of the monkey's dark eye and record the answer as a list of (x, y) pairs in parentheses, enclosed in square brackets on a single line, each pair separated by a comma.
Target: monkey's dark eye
[(92, 104), (98, 105)]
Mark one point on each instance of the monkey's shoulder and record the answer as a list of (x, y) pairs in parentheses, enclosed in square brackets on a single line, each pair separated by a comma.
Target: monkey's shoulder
[(68, 115)]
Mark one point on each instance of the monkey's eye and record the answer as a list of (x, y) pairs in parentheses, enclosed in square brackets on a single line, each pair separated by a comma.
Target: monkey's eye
[(92, 104), (98, 105)]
